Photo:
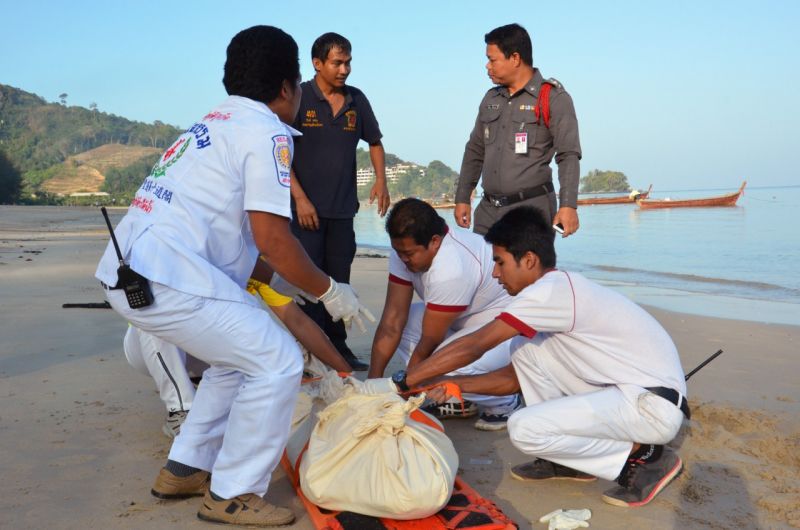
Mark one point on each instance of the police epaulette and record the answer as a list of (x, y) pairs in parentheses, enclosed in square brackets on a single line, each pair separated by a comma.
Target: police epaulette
[(555, 82)]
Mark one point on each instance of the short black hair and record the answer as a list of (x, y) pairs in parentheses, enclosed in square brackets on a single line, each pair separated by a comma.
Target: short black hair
[(259, 60), (416, 219), (512, 38), (326, 42), (525, 229)]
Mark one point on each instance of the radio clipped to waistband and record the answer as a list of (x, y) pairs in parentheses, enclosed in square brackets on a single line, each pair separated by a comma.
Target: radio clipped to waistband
[(136, 287)]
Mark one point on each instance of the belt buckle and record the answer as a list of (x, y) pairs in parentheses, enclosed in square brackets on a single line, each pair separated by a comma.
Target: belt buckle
[(498, 202)]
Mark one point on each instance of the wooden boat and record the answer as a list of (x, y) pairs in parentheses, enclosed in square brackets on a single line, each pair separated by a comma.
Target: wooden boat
[(720, 200), (622, 199)]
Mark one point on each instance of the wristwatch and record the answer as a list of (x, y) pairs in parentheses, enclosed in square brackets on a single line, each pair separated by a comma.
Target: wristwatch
[(399, 378)]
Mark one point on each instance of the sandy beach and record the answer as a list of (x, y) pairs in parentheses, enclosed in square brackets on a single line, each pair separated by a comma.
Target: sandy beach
[(80, 430)]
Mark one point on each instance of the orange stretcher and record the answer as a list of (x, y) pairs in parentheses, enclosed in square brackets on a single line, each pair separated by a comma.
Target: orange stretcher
[(466, 510)]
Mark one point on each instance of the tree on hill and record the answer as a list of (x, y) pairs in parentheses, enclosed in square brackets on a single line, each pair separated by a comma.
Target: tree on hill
[(433, 182), (597, 181), (125, 181), (10, 181), (37, 135)]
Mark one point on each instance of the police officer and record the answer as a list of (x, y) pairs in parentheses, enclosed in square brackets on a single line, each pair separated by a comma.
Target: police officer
[(522, 122)]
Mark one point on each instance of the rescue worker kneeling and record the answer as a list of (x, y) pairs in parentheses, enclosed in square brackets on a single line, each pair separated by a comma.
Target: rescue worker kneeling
[(602, 381)]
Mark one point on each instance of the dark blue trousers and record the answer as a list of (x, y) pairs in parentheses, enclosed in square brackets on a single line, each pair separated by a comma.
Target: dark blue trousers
[(332, 249)]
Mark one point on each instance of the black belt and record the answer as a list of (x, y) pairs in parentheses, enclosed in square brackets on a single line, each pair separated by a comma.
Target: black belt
[(674, 397), (108, 287), (530, 193)]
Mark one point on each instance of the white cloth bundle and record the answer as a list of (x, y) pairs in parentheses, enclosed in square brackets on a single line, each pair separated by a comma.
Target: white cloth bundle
[(367, 455)]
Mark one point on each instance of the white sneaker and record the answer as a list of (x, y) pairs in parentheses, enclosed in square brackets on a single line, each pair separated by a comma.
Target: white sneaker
[(452, 409), (174, 421)]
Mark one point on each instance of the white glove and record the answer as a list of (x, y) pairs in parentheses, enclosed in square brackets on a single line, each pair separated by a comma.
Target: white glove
[(287, 289), (380, 385), (566, 519), (341, 302)]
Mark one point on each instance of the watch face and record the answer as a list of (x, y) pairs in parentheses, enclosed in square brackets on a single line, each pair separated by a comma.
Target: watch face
[(399, 376)]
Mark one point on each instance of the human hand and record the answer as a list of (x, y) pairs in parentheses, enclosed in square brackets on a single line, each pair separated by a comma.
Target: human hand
[(568, 218), (341, 302), (463, 215), (444, 391), (306, 214), (381, 193)]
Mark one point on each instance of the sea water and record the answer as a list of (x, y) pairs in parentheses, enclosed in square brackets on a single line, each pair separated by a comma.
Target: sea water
[(740, 262)]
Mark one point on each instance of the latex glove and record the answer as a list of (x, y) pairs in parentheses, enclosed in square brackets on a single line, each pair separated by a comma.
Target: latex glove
[(341, 302), (287, 289), (566, 519), (380, 385)]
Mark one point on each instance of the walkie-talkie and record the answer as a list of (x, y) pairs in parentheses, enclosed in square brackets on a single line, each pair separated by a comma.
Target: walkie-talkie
[(136, 287)]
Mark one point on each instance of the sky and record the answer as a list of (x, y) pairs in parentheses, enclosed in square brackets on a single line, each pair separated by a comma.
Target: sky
[(680, 94)]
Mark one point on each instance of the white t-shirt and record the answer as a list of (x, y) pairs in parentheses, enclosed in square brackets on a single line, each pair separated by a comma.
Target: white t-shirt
[(459, 279), (600, 335), (187, 226)]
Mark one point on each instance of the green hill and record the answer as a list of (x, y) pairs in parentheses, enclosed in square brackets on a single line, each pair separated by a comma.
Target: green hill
[(59, 150), (435, 182), (51, 144)]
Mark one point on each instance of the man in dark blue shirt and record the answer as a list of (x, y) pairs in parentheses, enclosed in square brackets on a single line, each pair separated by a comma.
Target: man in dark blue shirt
[(333, 117)]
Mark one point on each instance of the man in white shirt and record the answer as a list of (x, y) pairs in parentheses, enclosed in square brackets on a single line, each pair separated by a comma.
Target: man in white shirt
[(450, 271), (602, 380), (217, 198)]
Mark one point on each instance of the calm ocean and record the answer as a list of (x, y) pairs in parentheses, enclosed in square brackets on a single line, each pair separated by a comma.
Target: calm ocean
[(741, 262)]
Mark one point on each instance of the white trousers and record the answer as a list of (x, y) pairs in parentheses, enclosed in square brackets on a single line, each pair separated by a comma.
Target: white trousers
[(239, 422), (494, 359), (165, 363), (573, 423)]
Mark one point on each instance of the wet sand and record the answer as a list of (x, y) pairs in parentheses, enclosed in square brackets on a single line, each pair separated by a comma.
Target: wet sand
[(80, 431)]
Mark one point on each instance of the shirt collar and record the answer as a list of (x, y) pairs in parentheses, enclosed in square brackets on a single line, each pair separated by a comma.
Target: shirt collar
[(348, 98), (531, 87), (263, 108)]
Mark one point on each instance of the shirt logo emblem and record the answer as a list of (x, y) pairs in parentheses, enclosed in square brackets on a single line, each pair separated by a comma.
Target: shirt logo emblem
[(493, 106), (283, 159), (350, 116), (171, 155)]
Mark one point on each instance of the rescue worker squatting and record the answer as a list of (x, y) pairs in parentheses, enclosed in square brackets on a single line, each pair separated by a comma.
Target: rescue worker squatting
[(603, 384)]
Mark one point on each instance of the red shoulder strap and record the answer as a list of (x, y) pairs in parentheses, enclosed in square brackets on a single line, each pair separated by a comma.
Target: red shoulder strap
[(543, 103)]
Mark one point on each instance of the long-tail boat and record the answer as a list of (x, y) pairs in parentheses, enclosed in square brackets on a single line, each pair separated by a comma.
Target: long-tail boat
[(720, 200), (622, 199)]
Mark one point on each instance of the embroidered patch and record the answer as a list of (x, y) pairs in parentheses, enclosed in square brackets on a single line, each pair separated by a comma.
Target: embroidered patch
[(350, 115), (283, 159)]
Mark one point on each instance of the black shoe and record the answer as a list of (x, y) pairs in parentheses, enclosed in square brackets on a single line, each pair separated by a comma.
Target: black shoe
[(354, 363), (640, 482), (545, 470)]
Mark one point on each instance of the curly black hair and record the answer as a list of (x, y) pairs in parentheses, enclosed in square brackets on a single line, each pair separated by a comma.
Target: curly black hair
[(259, 60)]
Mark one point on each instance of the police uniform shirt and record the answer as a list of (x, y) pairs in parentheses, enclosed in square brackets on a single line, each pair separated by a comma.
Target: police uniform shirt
[(595, 332), (492, 146), (187, 226), (325, 156), (459, 279)]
